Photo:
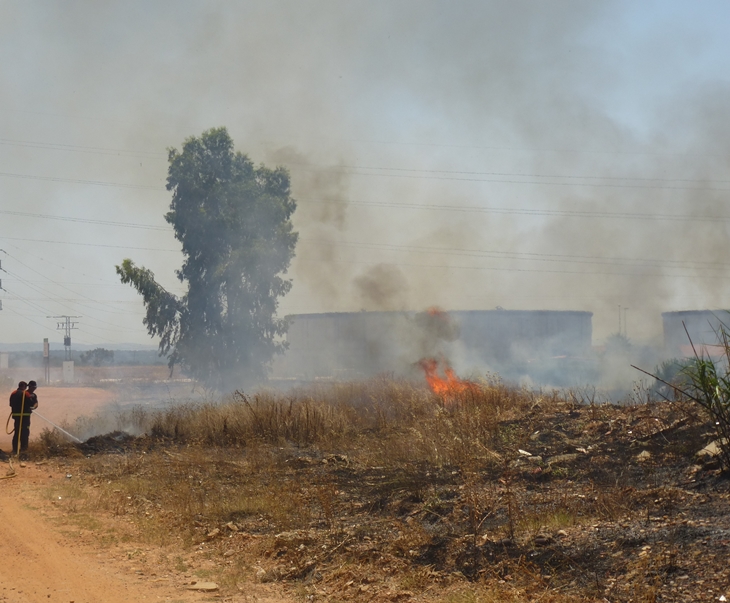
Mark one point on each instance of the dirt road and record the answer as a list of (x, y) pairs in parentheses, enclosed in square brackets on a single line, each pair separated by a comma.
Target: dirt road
[(40, 564), (43, 560)]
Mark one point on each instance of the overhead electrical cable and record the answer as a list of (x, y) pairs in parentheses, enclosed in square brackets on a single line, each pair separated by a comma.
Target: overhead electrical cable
[(27, 302), (458, 176), (54, 146), (73, 300), (525, 211), (408, 143), (86, 220), (416, 206), (508, 148), (79, 181), (48, 312), (85, 305), (344, 166), (524, 256), (502, 174), (511, 269), (105, 303), (35, 322), (408, 248), (513, 180), (52, 263), (87, 244)]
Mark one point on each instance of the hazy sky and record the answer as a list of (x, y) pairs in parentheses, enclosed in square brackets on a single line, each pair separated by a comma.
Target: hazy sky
[(529, 155)]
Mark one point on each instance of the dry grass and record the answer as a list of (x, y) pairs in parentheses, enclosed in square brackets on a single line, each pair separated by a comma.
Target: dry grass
[(379, 490)]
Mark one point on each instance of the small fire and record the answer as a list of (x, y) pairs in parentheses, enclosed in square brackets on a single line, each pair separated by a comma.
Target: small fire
[(447, 386), (436, 311)]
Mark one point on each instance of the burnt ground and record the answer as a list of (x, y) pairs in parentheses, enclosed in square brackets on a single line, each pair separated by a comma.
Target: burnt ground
[(579, 504)]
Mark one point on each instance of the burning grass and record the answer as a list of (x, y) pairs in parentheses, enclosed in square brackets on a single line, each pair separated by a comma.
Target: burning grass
[(386, 491)]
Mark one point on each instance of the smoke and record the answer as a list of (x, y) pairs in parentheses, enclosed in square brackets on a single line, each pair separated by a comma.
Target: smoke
[(562, 156), (321, 219), (382, 287)]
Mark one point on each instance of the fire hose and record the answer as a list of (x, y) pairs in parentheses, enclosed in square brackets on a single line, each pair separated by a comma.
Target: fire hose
[(12, 472), (63, 431), (35, 412)]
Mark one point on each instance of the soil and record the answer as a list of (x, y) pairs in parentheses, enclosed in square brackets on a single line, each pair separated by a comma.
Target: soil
[(46, 559)]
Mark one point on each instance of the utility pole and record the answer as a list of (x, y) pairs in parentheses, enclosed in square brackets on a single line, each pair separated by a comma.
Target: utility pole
[(46, 360), (66, 325), (619, 319)]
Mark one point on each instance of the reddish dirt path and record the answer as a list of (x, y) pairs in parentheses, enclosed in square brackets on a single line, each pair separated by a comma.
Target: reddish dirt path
[(41, 558), (42, 561), (60, 405), (39, 564), (45, 558)]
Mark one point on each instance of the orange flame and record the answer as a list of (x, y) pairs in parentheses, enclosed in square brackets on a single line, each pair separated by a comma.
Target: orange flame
[(448, 386)]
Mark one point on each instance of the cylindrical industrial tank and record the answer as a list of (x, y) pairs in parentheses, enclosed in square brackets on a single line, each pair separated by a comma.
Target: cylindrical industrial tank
[(502, 336), (345, 344), (359, 344)]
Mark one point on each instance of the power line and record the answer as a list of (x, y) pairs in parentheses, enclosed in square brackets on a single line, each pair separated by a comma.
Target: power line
[(27, 302), (499, 180), (407, 248), (23, 280), (79, 181), (31, 320), (507, 148), (77, 148), (494, 268), (71, 299), (395, 205), (38, 290), (525, 211), (63, 304), (500, 174), (87, 244), (82, 304), (512, 149), (46, 261), (448, 175), (45, 312), (524, 256), (85, 220)]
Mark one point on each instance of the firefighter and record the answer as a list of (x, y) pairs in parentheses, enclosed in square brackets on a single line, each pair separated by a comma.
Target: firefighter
[(22, 402)]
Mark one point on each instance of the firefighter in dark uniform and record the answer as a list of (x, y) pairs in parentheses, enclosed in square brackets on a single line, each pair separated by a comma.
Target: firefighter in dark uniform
[(22, 402)]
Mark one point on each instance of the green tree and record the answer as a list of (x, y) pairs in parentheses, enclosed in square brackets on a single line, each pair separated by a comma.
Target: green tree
[(234, 223)]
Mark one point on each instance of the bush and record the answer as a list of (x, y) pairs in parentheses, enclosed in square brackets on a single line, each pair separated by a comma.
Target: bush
[(708, 384)]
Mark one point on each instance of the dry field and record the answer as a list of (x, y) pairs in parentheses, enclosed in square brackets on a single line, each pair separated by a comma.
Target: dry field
[(382, 491)]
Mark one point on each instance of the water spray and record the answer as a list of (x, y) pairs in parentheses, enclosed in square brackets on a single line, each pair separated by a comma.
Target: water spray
[(73, 437)]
